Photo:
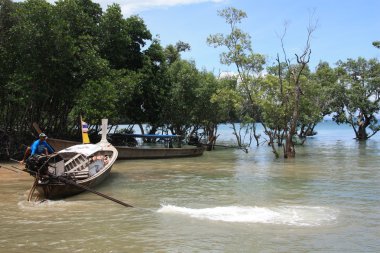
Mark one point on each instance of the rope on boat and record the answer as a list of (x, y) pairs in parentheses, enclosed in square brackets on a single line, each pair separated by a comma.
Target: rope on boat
[(67, 181), (32, 189), (9, 169)]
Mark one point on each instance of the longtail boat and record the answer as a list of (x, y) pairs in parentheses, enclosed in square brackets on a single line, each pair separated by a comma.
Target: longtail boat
[(73, 169), (139, 152)]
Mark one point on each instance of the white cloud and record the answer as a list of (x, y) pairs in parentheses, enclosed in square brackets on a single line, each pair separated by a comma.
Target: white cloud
[(129, 7)]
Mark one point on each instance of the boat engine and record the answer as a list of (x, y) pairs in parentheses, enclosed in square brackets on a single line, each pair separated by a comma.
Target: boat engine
[(37, 164)]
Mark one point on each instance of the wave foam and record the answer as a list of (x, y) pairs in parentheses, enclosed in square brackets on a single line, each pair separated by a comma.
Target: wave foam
[(286, 215), (52, 204)]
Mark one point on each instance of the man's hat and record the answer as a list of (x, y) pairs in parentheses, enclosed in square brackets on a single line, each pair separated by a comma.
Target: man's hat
[(42, 135)]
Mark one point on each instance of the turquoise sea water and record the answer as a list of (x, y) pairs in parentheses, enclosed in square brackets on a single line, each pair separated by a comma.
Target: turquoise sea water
[(325, 200)]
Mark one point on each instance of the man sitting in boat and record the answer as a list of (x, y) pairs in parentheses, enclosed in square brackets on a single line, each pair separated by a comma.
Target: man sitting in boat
[(39, 147)]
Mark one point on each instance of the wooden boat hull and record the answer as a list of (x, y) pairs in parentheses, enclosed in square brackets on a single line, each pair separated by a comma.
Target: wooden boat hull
[(154, 153), (138, 152), (57, 190), (74, 168)]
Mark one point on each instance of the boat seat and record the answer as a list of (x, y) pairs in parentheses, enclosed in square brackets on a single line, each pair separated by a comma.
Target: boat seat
[(72, 159), (81, 176), (76, 164)]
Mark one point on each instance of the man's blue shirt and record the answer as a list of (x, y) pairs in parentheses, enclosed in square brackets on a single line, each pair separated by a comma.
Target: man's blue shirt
[(38, 147)]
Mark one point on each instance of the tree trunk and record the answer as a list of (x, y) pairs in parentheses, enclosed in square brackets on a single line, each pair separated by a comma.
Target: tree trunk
[(363, 122), (362, 133), (289, 151), (271, 135), (256, 136)]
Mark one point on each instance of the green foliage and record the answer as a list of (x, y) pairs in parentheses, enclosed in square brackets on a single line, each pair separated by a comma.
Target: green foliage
[(62, 60), (359, 87), (122, 40), (155, 55), (238, 43), (184, 80), (98, 99), (58, 63), (173, 52), (325, 89), (248, 64), (205, 111), (275, 112)]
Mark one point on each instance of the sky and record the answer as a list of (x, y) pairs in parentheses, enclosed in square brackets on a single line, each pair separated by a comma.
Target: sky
[(345, 28)]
